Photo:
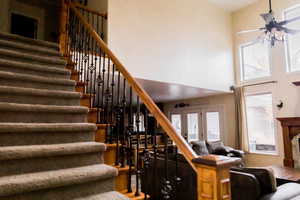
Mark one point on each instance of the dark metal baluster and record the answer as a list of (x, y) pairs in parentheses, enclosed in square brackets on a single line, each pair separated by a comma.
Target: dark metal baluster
[(92, 69), (155, 148), (81, 60), (118, 118), (102, 27), (166, 184), (99, 84), (103, 89), (112, 103), (138, 172), (146, 154), (123, 139), (107, 93), (177, 178), (130, 131)]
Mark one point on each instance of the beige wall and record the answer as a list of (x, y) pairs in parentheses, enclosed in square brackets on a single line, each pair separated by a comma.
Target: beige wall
[(224, 101), (248, 18), (185, 42)]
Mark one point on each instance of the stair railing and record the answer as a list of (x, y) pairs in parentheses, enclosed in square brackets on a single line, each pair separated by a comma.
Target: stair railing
[(122, 102)]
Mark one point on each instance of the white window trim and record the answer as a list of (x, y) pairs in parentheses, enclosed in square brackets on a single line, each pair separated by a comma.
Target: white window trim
[(241, 67), (288, 66), (276, 152)]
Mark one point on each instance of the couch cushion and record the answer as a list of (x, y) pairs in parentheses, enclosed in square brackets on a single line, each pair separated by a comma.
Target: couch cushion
[(265, 177), (200, 147), (288, 191), (212, 146)]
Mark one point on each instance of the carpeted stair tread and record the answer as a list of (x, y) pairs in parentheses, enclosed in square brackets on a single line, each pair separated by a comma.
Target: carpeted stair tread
[(42, 70), (25, 47), (26, 40), (41, 82), (40, 151), (18, 184), (30, 57), (40, 92), (46, 127), (105, 196), (42, 108), (20, 134)]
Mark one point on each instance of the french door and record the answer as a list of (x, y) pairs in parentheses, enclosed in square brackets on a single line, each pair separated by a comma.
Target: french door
[(199, 123)]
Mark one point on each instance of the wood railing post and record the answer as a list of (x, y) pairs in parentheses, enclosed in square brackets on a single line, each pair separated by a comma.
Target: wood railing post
[(213, 177), (63, 26)]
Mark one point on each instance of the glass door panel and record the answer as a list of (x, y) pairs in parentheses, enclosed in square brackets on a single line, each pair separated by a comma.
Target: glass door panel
[(213, 126), (192, 127), (176, 122)]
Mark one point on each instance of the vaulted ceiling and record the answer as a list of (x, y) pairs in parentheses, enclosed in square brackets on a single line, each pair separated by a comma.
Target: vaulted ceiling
[(232, 5)]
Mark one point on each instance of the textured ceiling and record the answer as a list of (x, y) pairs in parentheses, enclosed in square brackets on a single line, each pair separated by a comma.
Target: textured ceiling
[(232, 5)]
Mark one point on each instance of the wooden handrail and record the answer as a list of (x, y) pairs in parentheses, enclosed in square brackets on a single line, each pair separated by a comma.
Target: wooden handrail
[(78, 5), (180, 142)]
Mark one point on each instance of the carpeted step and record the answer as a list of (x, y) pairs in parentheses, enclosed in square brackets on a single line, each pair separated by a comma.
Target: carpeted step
[(27, 48), (14, 134), (32, 58), (100, 175), (25, 40), (28, 113), (39, 96), (33, 69), (37, 82), (105, 196), (36, 158)]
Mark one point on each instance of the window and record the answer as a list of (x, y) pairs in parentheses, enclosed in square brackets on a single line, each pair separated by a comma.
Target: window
[(213, 126), (193, 130), (260, 123), (176, 122), (255, 61), (293, 41)]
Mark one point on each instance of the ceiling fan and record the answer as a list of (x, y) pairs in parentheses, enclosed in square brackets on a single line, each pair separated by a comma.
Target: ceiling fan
[(273, 31)]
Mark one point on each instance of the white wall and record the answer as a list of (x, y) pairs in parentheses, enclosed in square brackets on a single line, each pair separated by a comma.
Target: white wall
[(248, 18), (185, 42)]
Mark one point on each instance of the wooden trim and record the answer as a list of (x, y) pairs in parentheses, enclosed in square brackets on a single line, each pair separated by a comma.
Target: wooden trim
[(78, 5), (63, 25)]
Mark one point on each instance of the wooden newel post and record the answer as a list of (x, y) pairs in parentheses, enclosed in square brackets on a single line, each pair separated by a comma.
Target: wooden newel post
[(213, 174), (63, 26)]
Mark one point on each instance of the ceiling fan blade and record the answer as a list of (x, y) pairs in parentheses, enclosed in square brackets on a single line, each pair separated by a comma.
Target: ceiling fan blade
[(268, 17), (290, 31), (289, 21), (250, 31)]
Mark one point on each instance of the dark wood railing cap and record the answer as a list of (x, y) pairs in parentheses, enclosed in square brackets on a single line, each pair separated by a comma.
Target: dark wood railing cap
[(217, 161)]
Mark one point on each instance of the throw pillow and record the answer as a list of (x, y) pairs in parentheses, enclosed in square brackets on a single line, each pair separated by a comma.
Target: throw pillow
[(200, 148)]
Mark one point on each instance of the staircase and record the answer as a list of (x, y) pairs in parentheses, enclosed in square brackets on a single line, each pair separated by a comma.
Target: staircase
[(47, 148)]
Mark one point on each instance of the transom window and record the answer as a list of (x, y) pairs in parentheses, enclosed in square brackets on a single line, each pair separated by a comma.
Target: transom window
[(293, 41), (255, 61)]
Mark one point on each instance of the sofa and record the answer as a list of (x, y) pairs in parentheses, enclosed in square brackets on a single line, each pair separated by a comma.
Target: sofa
[(246, 183), (260, 184), (218, 148)]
